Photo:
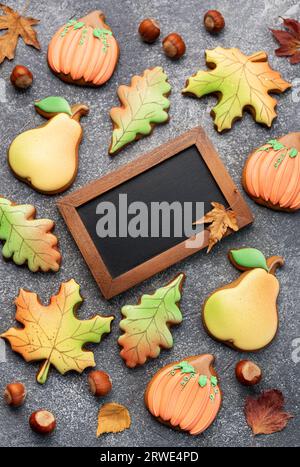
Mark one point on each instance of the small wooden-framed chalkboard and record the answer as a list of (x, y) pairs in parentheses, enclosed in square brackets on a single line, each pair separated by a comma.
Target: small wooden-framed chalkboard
[(185, 169)]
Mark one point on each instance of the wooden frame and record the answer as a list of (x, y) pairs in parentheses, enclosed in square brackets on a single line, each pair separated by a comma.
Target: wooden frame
[(68, 206)]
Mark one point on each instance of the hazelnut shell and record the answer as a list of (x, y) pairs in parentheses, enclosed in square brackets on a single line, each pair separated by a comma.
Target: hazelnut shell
[(149, 30), (21, 77), (214, 21), (42, 422), (100, 383), (248, 373), (174, 46), (15, 394)]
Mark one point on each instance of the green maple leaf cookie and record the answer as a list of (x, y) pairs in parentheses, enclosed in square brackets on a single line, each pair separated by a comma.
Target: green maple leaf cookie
[(240, 82)]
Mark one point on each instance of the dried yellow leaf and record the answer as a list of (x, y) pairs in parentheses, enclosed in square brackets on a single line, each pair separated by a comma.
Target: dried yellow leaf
[(113, 418)]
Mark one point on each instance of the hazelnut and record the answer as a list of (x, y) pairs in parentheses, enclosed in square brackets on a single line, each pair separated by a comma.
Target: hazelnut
[(15, 394), (21, 77), (42, 422), (214, 21), (174, 46), (100, 383), (149, 30), (248, 373)]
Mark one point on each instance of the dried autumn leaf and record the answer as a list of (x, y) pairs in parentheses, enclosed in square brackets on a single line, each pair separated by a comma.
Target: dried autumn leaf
[(289, 40), (53, 334), (16, 25), (113, 418), (144, 104), (220, 220), (27, 239), (239, 81), (146, 325), (264, 414)]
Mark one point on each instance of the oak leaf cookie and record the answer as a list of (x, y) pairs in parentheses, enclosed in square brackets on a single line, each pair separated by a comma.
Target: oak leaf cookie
[(146, 325), (144, 104), (27, 239)]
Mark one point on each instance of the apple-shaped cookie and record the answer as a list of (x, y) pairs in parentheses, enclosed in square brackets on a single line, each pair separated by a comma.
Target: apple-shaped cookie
[(243, 314)]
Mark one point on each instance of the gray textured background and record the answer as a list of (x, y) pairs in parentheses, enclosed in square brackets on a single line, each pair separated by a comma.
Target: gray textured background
[(274, 233)]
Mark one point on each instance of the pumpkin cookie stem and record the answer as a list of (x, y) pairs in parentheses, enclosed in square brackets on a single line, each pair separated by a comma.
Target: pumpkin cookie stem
[(95, 19), (273, 263), (78, 111), (43, 373)]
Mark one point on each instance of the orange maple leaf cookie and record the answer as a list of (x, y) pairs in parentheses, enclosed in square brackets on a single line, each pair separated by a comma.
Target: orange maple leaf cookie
[(53, 334)]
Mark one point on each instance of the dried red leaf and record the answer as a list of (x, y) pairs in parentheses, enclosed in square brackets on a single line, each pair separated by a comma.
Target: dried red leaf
[(265, 414), (289, 40)]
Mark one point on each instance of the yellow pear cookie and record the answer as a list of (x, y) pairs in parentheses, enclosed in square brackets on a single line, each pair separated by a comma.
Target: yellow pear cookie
[(243, 314), (46, 157)]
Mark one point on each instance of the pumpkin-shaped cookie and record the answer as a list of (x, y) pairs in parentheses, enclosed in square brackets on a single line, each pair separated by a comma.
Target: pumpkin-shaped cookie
[(84, 51), (272, 174), (185, 395)]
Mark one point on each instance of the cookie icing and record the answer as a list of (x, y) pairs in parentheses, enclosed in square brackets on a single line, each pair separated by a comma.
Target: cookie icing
[(272, 175), (186, 394), (84, 50)]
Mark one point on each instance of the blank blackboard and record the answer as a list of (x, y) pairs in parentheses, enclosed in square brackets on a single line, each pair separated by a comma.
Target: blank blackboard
[(184, 178), (185, 169)]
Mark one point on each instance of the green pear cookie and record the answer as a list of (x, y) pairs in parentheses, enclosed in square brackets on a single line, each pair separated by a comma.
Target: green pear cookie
[(47, 157), (243, 314)]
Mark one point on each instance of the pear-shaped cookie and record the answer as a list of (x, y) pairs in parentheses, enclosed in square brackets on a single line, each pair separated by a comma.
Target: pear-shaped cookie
[(243, 314), (46, 157)]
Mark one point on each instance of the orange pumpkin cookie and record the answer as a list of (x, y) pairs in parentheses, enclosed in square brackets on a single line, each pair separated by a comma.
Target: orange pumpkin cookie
[(271, 176), (185, 395), (84, 51)]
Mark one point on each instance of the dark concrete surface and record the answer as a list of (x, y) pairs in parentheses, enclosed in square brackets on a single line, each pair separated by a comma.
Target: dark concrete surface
[(274, 233)]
